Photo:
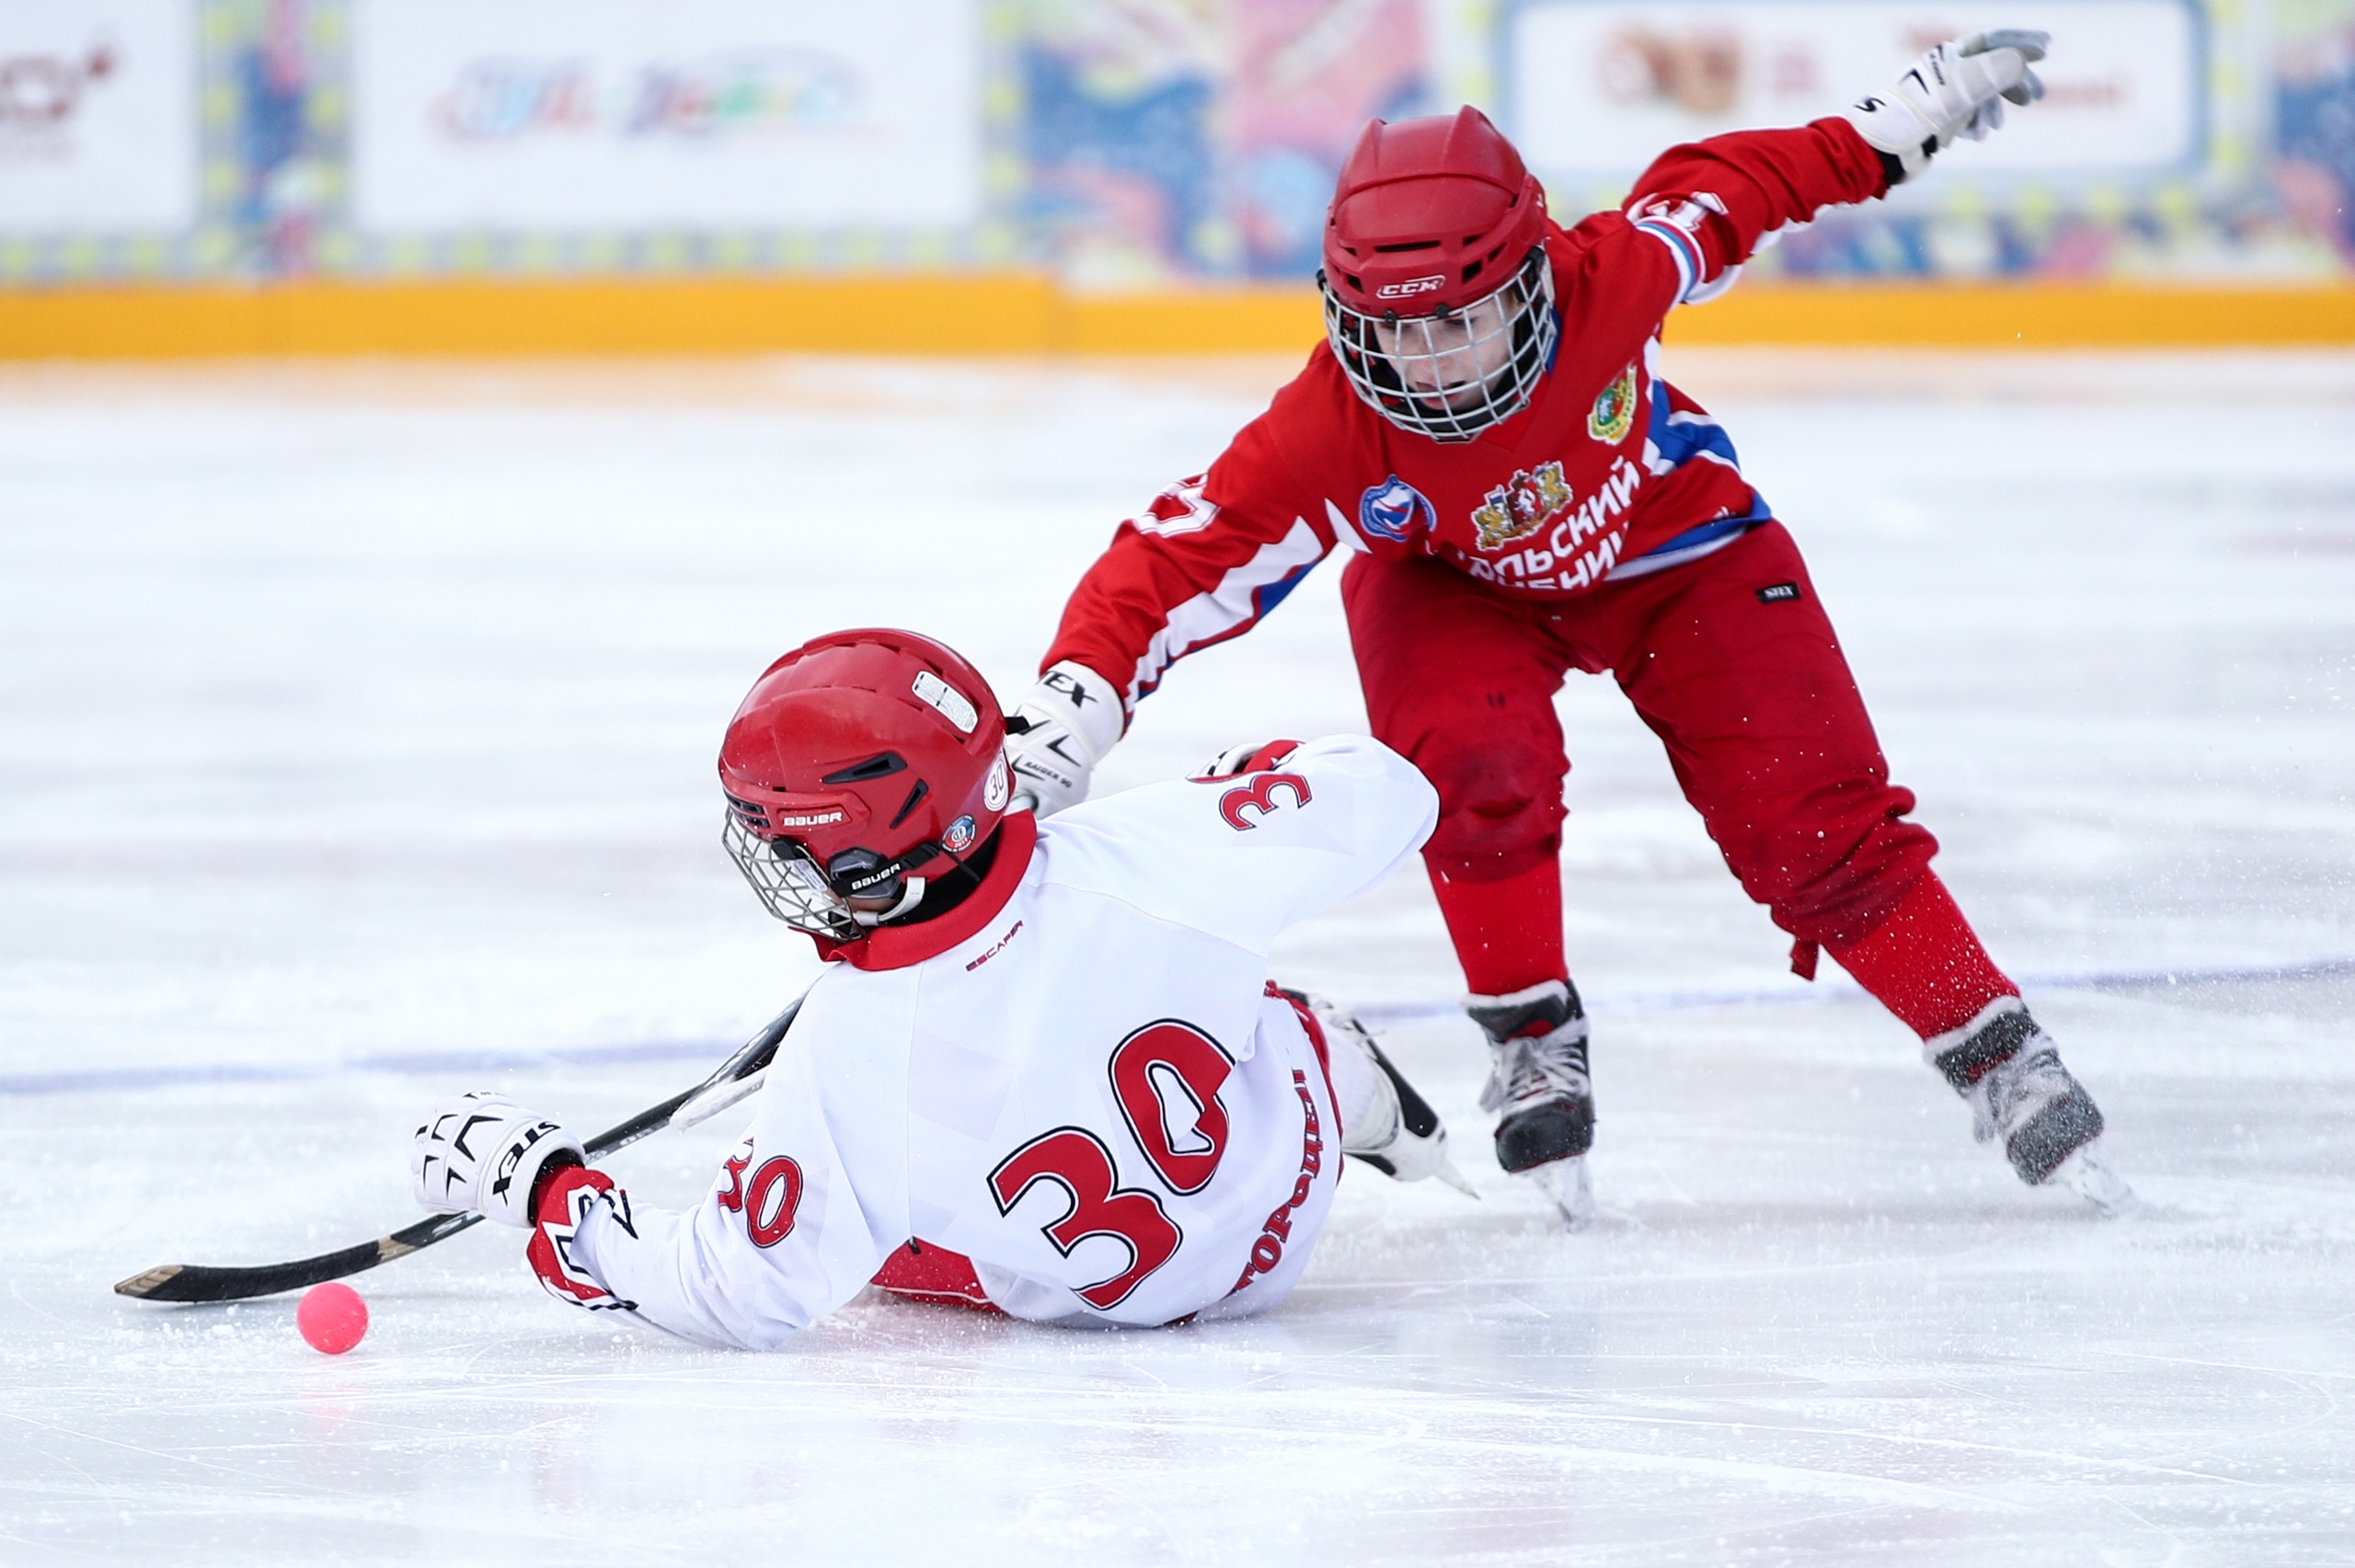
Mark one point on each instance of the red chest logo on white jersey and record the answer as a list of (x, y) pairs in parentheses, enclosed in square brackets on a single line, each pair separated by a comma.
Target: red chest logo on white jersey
[(1521, 505)]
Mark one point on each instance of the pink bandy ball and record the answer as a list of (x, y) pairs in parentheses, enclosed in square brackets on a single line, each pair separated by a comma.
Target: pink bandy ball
[(332, 1318)]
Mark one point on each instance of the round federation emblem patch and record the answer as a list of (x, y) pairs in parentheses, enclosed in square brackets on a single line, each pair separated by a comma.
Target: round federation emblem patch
[(960, 837), (1394, 510)]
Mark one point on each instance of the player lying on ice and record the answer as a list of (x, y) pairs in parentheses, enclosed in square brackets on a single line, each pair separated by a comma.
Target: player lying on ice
[(1486, 434), (1045, 1071)]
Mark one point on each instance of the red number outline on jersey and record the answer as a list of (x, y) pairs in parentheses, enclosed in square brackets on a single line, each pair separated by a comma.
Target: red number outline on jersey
[(733, 1198), (1199, 1065), (751, 1198), (1259, 791), (1077, 1160), (768, 1233)]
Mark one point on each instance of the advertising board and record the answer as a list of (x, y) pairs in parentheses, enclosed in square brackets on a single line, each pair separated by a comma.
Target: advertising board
[(1598, 89), (97, 116), (616, 115)]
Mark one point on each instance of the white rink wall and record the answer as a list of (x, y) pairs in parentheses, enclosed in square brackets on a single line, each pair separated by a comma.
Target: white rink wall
[(356, 727)]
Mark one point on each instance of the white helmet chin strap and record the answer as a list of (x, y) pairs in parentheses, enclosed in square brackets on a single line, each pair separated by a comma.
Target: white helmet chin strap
[(797, 892), (914, 897)]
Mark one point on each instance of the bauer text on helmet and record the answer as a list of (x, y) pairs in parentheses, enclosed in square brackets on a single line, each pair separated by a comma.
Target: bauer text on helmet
[(862, 768)]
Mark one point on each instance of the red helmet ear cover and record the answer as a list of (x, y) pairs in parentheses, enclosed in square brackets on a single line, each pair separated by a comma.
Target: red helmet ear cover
[(838, 747), (1430, 213)]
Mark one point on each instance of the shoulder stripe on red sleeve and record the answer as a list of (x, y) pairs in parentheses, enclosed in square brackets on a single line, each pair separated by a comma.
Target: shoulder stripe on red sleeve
[(1691, 267), (1242, 596)]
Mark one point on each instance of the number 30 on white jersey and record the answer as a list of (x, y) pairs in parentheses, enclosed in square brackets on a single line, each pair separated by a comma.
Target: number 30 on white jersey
[(1092, 1095)]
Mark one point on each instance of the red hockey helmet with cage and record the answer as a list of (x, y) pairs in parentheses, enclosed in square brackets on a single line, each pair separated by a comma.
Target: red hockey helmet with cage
[(1429, 215), (859, 765), (1430, 218)]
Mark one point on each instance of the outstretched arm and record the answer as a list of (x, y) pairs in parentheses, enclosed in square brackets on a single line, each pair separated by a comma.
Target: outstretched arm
[(1712, 203), (1261, 841), (779, 1241), (1956, 89), (1210, 557)]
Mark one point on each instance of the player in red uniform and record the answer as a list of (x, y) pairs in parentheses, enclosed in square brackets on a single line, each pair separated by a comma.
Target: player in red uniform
[(1486, 434)]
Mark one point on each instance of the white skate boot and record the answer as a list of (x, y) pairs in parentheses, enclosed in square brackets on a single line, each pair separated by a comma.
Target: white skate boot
[(1537, 1078), (1393, 1128), (2008, 1071)]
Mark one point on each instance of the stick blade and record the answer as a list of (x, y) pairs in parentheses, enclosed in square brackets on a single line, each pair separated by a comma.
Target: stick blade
[(197, 1282), (149, 1283), (735, 1078)]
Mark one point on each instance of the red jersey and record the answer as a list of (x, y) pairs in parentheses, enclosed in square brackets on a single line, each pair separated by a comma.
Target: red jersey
[(1608, 472)]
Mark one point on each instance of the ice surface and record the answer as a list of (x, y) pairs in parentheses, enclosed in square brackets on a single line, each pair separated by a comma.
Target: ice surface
[(355, 741)]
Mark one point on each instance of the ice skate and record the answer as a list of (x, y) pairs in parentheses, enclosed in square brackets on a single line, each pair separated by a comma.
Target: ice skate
[(1567, 1183), (2088, 1174), (1537, 1079), (2008, 1071), (1399, 1135)]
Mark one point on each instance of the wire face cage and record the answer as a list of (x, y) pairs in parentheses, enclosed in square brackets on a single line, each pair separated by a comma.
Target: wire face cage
[(791, 886), (1452, 375)]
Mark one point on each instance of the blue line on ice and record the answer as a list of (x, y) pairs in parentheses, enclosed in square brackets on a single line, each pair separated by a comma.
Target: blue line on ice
[(1605, 1002), (2030, 981), (179, 1076)]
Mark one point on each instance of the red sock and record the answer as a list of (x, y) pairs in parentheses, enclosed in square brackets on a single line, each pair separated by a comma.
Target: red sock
[(1924, 963), (1508, 935)]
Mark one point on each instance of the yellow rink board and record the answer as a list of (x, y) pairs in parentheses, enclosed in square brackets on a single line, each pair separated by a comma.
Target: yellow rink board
[(1026, 313)]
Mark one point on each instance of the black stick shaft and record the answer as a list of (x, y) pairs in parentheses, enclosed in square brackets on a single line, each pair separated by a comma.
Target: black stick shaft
[(201, 1282)]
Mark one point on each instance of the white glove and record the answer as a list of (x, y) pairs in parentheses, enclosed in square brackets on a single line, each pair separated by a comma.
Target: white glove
[(1956, 89), (1251, 756), (1055, 738), (482, 1154)]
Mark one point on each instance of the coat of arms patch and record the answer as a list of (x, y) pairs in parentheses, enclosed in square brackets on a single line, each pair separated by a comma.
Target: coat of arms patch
[(1521, 505), (1614, 410)]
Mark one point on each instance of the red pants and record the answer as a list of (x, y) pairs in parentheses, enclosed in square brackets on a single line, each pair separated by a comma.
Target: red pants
[(922, 1272), (1730, 661)]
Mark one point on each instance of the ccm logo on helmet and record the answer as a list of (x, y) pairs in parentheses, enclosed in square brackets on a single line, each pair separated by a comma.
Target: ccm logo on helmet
[(1412, 287)]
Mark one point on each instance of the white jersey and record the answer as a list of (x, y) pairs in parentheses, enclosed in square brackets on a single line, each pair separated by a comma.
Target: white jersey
[(1082, 1084)]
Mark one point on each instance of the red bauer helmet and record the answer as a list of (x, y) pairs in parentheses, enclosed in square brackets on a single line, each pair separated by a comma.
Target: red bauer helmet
[(855, 762), (1439, 301)]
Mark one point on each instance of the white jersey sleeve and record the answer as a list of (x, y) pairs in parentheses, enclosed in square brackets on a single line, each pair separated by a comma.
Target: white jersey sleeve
[(1079, 1084), (1242, 858), (802, 1214)]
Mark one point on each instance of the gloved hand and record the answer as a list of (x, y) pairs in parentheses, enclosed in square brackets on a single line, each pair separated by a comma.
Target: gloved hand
[(1251, 756), (1059, 734), (481, 1153), (566, 1198), (1956, 89)]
